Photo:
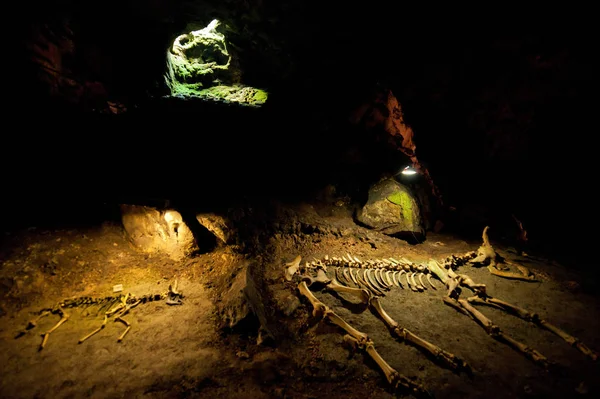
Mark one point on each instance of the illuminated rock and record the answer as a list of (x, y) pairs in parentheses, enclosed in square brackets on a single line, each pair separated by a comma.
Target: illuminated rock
[(393, 210), (154, 231), (200, 65), (217, 225)]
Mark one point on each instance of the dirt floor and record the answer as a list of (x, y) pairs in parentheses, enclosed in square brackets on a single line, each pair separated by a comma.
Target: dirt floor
[(179, 351)]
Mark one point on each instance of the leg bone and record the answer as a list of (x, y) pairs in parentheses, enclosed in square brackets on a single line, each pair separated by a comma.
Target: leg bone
[(448, 359)]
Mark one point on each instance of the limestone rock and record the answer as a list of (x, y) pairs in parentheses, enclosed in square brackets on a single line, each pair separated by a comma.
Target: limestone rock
[(217, 225), (393, 210), (154, 231)]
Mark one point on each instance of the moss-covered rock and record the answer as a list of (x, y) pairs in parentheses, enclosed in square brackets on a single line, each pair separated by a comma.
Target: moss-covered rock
[(200, 65), (392, 209)]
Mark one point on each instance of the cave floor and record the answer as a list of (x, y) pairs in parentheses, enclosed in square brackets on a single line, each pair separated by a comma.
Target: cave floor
[(177, 351)]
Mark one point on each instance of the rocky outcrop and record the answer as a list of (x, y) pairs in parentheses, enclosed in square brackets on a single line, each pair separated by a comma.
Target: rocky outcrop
[(154, 231), (217, 225), (392, 209), (241, 305)]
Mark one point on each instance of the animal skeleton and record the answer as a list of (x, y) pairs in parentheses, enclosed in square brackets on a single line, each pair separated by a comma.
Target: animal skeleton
[(369, 280), (118, 306)]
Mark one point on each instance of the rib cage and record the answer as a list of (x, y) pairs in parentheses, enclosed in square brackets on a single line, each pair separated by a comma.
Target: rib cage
[(380, 275)]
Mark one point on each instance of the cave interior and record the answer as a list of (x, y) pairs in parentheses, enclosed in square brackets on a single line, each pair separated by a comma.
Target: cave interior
[(189, 153)]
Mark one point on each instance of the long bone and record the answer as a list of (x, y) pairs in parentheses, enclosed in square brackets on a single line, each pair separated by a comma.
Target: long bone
[(107, 314), (535, 319), (360, 340), (361, 293), (63, 318), (448, 359), (449, 277)]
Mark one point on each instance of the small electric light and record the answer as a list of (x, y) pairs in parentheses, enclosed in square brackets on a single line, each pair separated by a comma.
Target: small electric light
[(409, 170)]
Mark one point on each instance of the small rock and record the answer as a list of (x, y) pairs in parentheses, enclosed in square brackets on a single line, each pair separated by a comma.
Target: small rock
[(242, 355)]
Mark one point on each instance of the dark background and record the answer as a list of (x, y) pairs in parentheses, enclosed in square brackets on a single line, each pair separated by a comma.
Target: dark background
[(501, 101)]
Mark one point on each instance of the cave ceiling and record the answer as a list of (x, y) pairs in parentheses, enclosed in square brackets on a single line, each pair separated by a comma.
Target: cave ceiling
[(482, 94)]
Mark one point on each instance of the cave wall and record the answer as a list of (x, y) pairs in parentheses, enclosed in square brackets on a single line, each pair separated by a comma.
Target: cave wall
[(498, 103)]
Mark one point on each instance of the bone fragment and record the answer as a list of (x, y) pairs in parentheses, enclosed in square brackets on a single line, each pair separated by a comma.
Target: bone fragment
[(173, 288), (292, 268)]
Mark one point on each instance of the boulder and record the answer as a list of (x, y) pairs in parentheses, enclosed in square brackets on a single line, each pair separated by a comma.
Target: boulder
[(392, 209), (154, 231)]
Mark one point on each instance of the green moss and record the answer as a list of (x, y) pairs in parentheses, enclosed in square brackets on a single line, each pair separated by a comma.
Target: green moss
[(260, 96), (405, 201), (199, 65)]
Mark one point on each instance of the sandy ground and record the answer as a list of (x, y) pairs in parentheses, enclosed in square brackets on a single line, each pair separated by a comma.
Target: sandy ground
[(178, 351)]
